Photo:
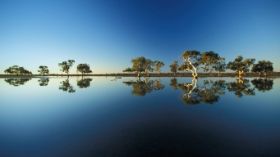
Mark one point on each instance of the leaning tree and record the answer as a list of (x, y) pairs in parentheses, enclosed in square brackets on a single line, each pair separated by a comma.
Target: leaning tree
[(192, 60)]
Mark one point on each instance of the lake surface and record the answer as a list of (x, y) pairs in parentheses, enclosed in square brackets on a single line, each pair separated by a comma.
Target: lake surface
[(109, 117)]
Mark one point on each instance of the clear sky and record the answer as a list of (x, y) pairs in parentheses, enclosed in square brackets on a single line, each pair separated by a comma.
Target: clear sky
[(107, 34)]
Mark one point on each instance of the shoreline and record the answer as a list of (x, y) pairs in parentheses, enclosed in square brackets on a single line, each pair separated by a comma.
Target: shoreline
[(274, 74)]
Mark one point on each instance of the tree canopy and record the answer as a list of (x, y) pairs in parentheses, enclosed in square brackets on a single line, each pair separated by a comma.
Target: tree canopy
[(43, 70), (240, 65), (66, 65), (83, 68), (17, 70), (263, 67)]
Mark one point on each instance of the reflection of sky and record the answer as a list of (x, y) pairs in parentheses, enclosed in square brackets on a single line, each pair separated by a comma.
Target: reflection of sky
[(107, 34), (47, 120)]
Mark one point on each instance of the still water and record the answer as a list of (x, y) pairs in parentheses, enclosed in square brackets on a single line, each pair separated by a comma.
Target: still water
[(104, 117)]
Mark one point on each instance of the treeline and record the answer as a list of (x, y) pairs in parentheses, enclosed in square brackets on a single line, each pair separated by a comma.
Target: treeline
[(193, 61), (44, 70), (208, 61)]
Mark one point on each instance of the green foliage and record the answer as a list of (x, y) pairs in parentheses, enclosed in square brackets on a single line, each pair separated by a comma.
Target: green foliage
[(263, 67), (158, 65), (209, 59), (240, 64), (174, 67), (84, 83), (66, 65), (17, 70), (43, 70), (83, 68)]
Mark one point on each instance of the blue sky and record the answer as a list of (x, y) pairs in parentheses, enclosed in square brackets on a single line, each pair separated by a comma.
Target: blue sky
[(108, 34)]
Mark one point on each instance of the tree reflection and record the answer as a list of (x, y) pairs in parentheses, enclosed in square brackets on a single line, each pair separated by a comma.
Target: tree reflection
[(43, 81), (66, 86), (208, 93), (84, 82), (174, 83), (263, 84), (17, 81), (241, 87), (141, 88)]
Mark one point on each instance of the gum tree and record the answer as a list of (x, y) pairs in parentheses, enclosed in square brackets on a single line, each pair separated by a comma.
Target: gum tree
[(191, 61), (174, 67), (158, 65), (83, 68), (17, 70), (208, 60), (263, 67), (66, 65), (43, 70), (240, 65)]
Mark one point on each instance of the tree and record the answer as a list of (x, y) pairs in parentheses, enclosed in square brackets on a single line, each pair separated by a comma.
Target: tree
[(17, 70), (83, 68), (84, 83), (17, 81), (174, 67), (128, 70), (220, 66), (66, 86), (209, 59), (158, 65), (141, 64), (263, 67), (191, 61), (43, 70), (66, 65), (240, 65)]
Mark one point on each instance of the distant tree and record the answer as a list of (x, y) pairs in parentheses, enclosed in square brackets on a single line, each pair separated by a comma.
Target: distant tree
[(192, 60), (263, 67), (128, 70), (66, 65), (221, 65), (241, 88), (240, 65), (43, 70), (174, 67), (141, 64), (83, 68), (141, 88), (17, 70), (158, 65), (209, 59)]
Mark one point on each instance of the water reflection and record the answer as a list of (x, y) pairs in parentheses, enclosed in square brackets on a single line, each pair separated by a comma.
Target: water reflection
[(17, 81), (66, 86), (263, 84), (194, 92), (44, 81), (84, 82), (142, 87), (241, 88), (209, 92)]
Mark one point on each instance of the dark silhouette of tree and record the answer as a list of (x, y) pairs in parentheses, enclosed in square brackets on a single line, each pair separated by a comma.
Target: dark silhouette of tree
[(240, 65), (43, 70), (209, 59), (84, 83), (241, 87), (17, 81), (141, 88), (83, 68), (66, 86), (158, 65), (192, 59), (44, 81), (128, 70), (263, 84), (220, 65), (66, 65), (17, 70), (174, 67), (263, 67)]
